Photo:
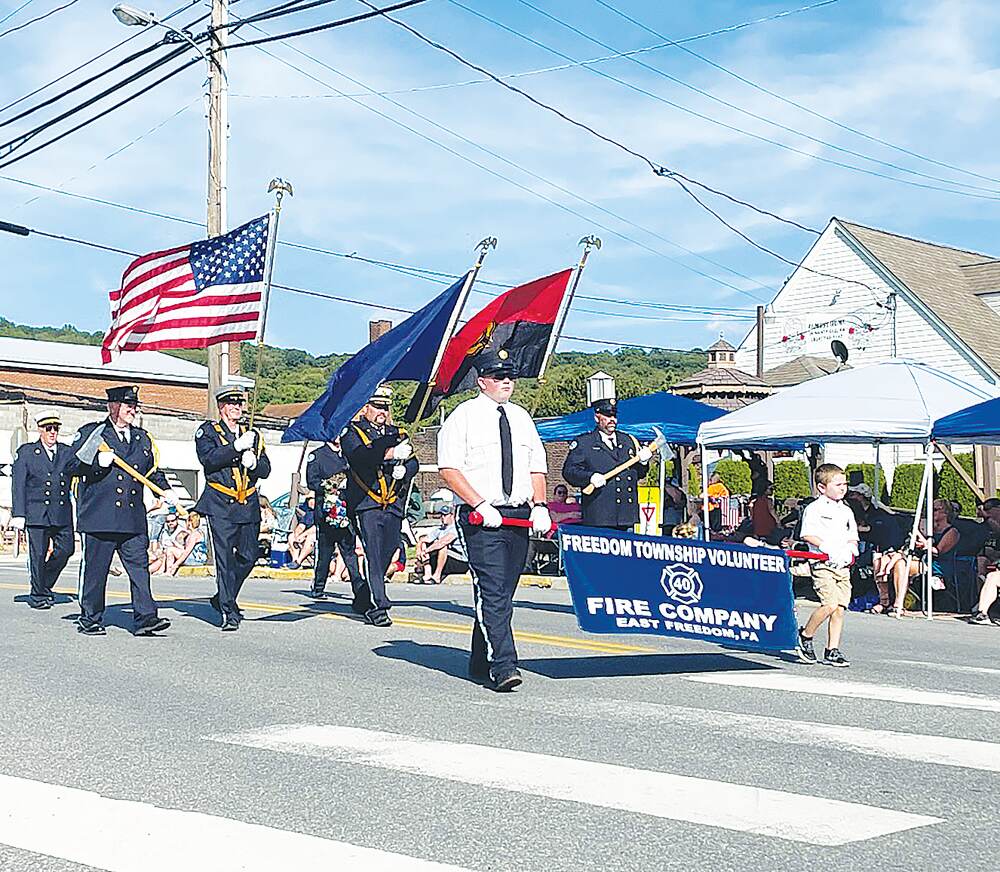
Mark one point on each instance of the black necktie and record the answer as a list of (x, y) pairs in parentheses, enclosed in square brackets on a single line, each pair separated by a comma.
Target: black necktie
[(506, 454)]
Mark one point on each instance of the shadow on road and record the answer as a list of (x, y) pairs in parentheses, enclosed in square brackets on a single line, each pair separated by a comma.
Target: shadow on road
[(453, 662), (625, 665)]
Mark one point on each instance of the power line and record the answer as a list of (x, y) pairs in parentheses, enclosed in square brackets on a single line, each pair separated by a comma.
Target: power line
[(97, 57), (525, 170), (560, 67), (758, 87), (25, 231), (794, 131), (405, 4), (39, 18), (14, 12), (659, 170)]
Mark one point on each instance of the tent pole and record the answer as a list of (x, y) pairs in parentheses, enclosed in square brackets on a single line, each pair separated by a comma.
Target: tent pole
[(704, 494), (929, 475), (919, 509), (877, 489), (663, 480)]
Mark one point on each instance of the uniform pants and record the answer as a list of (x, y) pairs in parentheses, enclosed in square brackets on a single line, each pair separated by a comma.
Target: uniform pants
[(380, 532), (98, 551), (496, 560), (236, 550), (329, 540), (45, 573)]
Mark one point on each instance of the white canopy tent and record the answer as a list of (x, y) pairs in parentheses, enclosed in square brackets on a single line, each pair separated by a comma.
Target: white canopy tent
[(896, 402)]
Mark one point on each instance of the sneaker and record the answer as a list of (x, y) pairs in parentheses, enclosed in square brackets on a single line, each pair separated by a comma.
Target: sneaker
[(230, 624), (91, 630), (507, 682), (805, 649), (156, 625), (378, 619), (978, 617), (833, 657), (318, 595)]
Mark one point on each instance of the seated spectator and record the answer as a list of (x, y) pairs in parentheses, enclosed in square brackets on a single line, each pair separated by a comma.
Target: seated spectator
[(987, 596), (882, 537), (302, 541), (674, 503), (944, 539), (563, 508), (432, 549), (170, 541), (763, 520)]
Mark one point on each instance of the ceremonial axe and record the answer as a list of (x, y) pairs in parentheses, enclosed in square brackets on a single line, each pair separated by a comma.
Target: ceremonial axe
[(476, 519), (94, 443), (656, 445)]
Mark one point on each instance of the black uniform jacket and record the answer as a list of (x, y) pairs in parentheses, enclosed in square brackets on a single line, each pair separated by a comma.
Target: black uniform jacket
[(41, 486), (370, 484), (617, 503), (230, 489), (108, 499), (323, 463)]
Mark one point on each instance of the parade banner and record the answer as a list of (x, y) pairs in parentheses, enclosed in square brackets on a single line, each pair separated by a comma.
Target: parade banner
[(711, 591)]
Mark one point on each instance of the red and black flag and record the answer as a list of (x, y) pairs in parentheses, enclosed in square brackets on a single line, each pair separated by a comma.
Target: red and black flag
[(516, 326)]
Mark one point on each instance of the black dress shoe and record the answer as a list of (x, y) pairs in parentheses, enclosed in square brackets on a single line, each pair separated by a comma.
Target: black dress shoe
[(40, 604), (508, 681), (157, 625), (318, 595), (91, 630), (379, 619), (231, 624), (214, 603)]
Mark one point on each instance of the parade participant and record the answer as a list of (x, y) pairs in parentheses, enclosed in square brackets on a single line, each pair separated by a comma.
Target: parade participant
[(614, 503), (829, 525), (490, 456), (326, 476), (42, 506), (111, 514), (234, 460), (381, 464)]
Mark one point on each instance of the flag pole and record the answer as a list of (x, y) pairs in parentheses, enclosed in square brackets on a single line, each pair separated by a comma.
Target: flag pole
[(483, 247), (280, 188), (588, 243)]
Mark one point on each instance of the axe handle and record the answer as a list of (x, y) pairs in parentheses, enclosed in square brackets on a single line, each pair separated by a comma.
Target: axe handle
[(628, 464), (139, 477), (476, 519)]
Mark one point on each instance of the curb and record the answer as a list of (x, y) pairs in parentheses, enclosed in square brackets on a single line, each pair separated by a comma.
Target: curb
[(553, 582)]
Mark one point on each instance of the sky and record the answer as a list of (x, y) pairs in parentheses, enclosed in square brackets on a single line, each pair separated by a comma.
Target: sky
[(417, 164)]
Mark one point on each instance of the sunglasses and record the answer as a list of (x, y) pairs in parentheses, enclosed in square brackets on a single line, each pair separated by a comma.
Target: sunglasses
[(230, 402), (48, 428), (382, 407)]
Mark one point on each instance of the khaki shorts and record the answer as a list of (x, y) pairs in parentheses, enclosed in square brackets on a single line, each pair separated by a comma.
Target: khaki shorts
[(832, 584)]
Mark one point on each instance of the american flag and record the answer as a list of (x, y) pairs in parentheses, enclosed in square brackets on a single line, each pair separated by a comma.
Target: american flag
[(190, 297)]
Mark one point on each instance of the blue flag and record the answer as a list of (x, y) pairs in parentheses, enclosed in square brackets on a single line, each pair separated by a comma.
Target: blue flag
[(404, 353)]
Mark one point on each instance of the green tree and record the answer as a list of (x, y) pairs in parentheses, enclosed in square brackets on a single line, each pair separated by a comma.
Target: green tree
[(906, 485), (952, 487), (868, 472), (791, 480), (735, 475)]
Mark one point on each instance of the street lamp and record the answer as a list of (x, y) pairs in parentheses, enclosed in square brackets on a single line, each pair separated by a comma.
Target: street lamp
[(130, 16)]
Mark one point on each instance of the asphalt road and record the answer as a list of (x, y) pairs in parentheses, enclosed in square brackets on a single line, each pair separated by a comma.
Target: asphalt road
[(308, 740)]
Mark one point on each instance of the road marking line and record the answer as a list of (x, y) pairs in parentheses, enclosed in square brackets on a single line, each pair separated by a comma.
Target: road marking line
[(122, 836), (599, 647), (809, 819), (830, 687), (947, 667), (892, 745)]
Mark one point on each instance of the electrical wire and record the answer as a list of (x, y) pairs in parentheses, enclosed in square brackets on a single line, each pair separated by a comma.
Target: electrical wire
[(792, 130), (14, 12), (758, 87), (275, 12), (363, 16), (531, 173), (305, 291), (96, 58), (659, 170), (39, 18)]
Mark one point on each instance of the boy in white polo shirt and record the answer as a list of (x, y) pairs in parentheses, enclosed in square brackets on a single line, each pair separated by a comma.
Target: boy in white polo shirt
[(829, 525)]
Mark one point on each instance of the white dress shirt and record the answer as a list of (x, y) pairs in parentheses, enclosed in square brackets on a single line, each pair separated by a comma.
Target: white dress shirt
[(832, 523), (469, 441)]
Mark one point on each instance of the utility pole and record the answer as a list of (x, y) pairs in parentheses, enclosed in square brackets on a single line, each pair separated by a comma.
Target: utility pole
[(218, 135)]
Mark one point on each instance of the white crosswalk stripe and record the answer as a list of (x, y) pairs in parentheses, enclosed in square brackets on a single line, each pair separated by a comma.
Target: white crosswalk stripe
[(811, 684), (748, 809), (120, 836)]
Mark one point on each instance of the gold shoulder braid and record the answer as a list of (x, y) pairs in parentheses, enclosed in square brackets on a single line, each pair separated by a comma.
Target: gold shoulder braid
[(243, 487), (386, 495)]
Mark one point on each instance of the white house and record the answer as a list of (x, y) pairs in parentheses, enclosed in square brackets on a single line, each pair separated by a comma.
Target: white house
[(884, 296)]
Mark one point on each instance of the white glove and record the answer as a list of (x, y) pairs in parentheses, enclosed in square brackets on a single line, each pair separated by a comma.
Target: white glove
[(491, 515), (399, 472), (105, 459), (403, 451), (598, 480), (17, 523), (541, 521), (171, 497), (247, 440), (248, 459), (645, 455)]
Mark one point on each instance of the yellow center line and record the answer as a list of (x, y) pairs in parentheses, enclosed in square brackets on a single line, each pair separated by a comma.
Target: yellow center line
[(578, 644)]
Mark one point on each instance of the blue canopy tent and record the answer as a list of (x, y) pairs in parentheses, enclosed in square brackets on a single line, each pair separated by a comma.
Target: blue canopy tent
[(977, 425), (678, 417)]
